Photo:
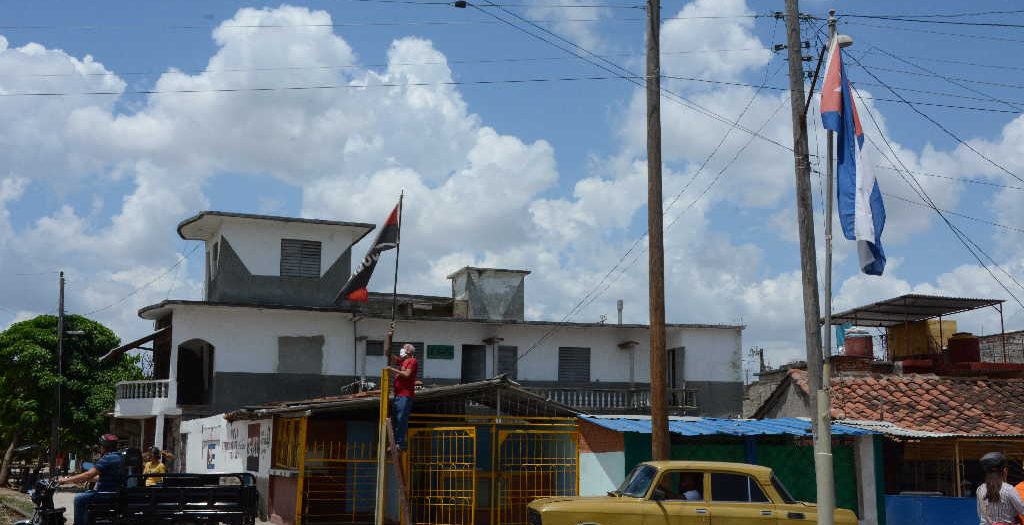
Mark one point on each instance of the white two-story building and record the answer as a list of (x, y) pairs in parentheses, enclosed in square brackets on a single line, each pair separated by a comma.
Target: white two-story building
[(268, 330)]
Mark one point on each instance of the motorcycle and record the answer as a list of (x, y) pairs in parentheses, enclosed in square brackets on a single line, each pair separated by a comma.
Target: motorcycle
[(42, 498)]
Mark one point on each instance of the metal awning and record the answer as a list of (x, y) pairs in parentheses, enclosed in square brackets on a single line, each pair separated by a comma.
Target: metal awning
[(117, 352), (910, 308)]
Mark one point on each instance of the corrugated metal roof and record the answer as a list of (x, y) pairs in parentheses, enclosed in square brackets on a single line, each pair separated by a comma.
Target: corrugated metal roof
[(706, 426), (891, 429), (909, 308)]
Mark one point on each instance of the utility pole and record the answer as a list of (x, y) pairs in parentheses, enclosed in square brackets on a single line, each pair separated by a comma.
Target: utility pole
[(808, 267), (55, 424), (655, 237)]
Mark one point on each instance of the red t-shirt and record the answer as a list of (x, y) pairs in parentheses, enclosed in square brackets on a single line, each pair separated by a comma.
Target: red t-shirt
[(406, 386)]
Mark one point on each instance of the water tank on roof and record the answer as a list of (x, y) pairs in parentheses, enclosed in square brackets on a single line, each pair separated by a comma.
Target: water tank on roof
[(964, 347), (858, 343)]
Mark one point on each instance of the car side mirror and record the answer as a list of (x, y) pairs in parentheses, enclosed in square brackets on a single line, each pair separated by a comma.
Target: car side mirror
[(658, 495)]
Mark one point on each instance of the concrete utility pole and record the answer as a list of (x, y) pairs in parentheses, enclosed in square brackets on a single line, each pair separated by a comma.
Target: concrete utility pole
[(808, 267), (55, 423), (655, 237)]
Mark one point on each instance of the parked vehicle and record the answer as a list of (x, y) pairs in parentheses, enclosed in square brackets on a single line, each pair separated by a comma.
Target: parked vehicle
[(685, 493), (180, 499), (42, 498)]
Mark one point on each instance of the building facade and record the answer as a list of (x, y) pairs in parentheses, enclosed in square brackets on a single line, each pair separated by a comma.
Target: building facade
[(268, 329)]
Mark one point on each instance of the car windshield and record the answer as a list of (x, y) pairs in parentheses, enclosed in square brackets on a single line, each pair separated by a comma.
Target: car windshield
[(781, 489), (638, 481)]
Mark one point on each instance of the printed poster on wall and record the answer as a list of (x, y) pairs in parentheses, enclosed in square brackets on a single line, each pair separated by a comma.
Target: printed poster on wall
[(210, 448), (252, 448)]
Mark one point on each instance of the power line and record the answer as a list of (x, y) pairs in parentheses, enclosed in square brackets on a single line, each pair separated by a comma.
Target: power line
[(670, 95), (937, 123), (358, 66), (946, 77), (947, 22), (962, 62), (958, 214), (388, 23), (961, 179), (932, 32), (947, 15), (964, 239), (148, 283)]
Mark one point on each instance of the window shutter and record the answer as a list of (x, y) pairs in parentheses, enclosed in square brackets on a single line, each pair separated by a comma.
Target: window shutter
[(508, 361), (573, 364), (300, 258)]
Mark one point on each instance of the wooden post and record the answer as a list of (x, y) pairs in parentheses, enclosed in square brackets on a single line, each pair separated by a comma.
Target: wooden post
[(655, 237), (809, 271)]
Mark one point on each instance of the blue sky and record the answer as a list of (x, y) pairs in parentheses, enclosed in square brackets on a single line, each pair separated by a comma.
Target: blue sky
[(547, 176)]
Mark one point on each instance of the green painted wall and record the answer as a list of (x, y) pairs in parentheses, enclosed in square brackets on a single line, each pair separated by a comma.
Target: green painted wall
[(793, 464)]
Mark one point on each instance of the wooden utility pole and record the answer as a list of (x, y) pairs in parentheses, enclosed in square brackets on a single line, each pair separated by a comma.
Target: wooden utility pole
[(655, 237), (808, 264), (55, 423)]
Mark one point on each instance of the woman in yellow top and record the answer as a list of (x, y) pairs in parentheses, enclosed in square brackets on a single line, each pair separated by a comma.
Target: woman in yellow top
[(154, 465)]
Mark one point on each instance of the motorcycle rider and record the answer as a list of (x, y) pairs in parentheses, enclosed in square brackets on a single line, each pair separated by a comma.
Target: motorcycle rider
[(108, 473)]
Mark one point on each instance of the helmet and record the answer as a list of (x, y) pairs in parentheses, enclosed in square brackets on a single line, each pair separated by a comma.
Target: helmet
[(993, 462), (108, 441)]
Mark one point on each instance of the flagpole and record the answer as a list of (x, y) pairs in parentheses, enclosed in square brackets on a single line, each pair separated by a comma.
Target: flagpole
[(385, 387), (823, 446)]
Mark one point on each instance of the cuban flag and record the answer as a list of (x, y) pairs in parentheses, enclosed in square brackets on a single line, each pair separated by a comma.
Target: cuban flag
[(861, 212)]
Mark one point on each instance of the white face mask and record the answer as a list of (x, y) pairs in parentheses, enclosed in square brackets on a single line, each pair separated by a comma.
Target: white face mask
[(402, 353)]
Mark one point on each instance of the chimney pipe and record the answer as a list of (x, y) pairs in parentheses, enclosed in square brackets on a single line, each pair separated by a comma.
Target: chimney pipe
[(618, 305)]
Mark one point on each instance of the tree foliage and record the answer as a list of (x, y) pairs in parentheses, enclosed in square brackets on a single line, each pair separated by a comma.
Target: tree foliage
[(29, 376)]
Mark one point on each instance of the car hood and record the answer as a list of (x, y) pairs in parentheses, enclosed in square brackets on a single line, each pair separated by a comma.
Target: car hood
[(560, 502)]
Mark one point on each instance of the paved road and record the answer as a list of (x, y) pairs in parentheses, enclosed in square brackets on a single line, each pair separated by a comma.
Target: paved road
[(67, 500)]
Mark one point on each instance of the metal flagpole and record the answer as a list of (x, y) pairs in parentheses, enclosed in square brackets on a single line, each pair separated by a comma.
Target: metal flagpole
[(823, 445), (385, 388)]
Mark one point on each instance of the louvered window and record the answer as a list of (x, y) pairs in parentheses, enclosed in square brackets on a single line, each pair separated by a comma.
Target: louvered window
[(300, 258), (508, 360), (573, 364)]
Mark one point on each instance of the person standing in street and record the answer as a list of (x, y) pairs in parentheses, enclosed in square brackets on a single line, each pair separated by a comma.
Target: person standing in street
[(405, 391), (998, 501)]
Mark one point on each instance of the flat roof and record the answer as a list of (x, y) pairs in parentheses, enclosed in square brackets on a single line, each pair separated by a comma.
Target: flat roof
[(709, 426), (909, 308), (202, 225), (479, 269), (153, 311)]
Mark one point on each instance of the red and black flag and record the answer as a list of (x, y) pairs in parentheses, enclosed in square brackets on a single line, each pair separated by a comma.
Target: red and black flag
[(387, 238)]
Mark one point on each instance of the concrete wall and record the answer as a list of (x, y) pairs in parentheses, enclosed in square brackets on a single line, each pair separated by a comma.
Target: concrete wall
[(258, 243), (793, 403), (246, 342), (995, 350), (231, 447), (602, 459)]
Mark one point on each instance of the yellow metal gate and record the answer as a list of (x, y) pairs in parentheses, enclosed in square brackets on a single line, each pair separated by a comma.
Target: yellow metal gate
[(442, 475), (534, 464)]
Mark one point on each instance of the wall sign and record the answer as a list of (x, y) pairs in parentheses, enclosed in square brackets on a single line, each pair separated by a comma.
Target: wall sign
[(440, 352), (211, 454)]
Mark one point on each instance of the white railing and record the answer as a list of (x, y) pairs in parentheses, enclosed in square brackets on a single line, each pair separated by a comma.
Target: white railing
[(152, 389), (604, 399)]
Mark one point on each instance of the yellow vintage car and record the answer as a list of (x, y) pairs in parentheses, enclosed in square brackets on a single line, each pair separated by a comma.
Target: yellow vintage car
[(685, 493)]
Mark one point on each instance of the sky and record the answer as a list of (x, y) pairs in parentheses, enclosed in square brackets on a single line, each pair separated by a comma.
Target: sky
[(123, 118)]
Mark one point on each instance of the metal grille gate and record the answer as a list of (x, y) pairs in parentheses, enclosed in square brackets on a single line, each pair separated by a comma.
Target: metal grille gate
[(442, 475), (534, 464)]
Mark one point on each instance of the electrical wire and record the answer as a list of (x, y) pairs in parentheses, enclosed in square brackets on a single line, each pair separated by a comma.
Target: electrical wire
[(604, 284), (947, 22), (946, 77), (608, 66), (918, 189), (148, 283), (962, 62), (937, 123), (948, 15), (932, 32), (367, 66), (960, 179), (958, 214)]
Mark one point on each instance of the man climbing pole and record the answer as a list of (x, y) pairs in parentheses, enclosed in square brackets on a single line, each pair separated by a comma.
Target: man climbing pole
[(405, 391)]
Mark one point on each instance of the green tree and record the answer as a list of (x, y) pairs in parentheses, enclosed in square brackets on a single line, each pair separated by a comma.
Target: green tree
[(28, 380)]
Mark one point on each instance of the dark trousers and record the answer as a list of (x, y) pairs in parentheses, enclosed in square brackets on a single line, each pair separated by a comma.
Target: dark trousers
[(403, 407), (82, 502)]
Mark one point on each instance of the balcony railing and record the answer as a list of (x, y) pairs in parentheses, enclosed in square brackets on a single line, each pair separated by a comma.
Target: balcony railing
[(617, 399), (152, 389)]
